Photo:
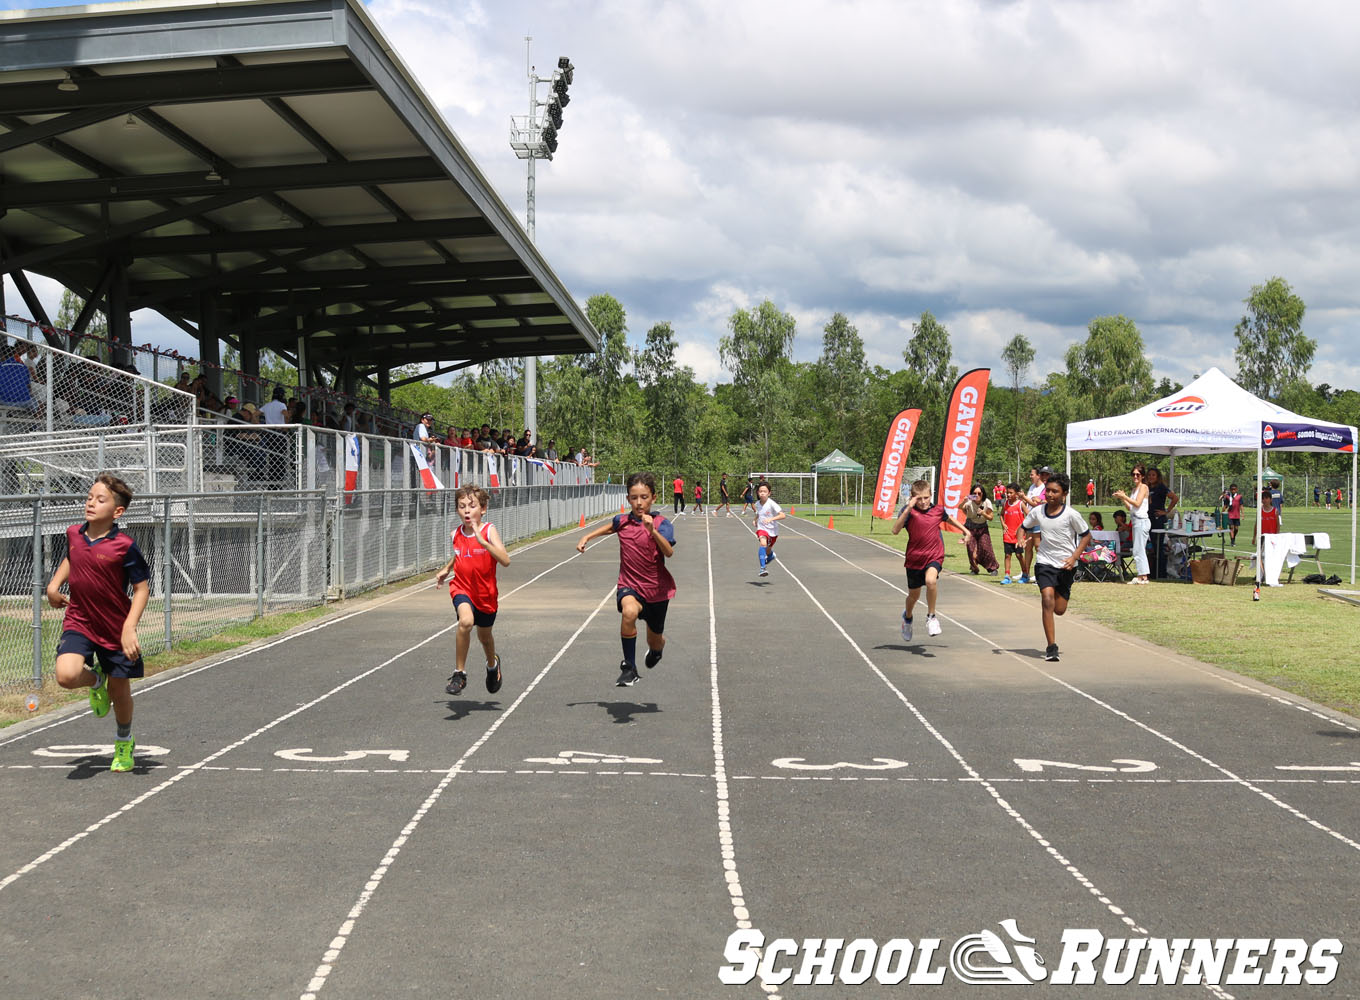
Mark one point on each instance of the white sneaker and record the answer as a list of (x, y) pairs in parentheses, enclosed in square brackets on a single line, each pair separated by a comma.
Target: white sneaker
[(932, 625), (906, 628)]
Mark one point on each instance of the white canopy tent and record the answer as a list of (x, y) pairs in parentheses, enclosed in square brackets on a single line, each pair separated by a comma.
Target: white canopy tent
[(1213, 414)]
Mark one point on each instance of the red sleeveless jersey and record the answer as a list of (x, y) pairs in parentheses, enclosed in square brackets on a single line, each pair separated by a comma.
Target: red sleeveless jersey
[(474, 570)]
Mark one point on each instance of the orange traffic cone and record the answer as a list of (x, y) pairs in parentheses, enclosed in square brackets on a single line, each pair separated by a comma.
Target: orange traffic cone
[(831, 522), (792, 511), (583, 522), (623, 508)]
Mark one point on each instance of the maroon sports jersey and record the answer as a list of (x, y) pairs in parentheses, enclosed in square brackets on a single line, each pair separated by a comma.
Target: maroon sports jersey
[(924, 544), (101, 572), (642, 567)]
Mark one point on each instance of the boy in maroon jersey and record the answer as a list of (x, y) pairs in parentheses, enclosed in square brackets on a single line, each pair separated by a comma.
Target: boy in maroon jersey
[(477, 548), (925, 552), (101, 620), (645, 589)]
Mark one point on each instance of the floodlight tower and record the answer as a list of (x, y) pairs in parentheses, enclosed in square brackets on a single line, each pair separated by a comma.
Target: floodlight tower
[(534, 137)]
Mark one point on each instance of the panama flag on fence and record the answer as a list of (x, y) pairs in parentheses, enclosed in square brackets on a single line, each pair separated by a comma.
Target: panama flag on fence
[(962, 427), (895, 450), (351, 465), (552, 469), (493, 470), (427, 475)]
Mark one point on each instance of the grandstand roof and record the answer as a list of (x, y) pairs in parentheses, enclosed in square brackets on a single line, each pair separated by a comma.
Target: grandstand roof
[(274, 163)]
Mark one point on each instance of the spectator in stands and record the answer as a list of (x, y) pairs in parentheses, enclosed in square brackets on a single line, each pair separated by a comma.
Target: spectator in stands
[(184, 383), (347, 423), (578, 456), (454, 437), (551, 452), (1125, 529), (15, 380), (465, 438), (32, 359), (276, 410)]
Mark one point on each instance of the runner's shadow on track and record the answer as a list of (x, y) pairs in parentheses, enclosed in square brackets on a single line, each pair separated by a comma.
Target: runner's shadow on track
[(461, 709), (622, 712), (1033, 654), (85, 768), (902, 648), (1339, 734)]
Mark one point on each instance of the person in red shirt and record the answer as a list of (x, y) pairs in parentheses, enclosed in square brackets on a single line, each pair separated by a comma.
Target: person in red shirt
[(101, 620), (1234, 513), (1013, 511), (698, 499), (1090, 492), (925, 552), (678, 503), (1270, 517), (477, 549)]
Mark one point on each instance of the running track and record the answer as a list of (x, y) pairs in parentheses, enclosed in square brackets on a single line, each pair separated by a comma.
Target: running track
[(318, 819)]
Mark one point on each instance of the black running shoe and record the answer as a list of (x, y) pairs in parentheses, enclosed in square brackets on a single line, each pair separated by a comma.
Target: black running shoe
[(628, 675), (653, 658), (456, 683), (493, 676), (1051, 653)]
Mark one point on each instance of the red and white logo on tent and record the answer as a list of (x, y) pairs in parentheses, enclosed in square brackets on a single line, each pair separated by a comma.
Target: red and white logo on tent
[(1182, 407), (1268, 434)]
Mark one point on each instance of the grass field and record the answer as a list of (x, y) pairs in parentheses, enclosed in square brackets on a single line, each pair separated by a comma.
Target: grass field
[(1293, 638)]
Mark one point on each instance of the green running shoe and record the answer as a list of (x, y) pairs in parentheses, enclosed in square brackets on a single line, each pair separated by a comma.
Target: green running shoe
[(99, 696), (122, 754)]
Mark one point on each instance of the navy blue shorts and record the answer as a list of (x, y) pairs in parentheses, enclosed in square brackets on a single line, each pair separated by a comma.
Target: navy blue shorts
[(1059, 579), (482, 619), (916, 578), (114, 661), (653, 613)]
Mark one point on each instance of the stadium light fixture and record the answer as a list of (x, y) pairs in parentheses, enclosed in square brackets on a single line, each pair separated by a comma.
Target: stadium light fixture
[(535, 137)]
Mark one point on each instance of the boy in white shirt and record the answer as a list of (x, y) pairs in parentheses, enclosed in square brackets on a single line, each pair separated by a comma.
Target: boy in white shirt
[(1063, 536), (768, 516)]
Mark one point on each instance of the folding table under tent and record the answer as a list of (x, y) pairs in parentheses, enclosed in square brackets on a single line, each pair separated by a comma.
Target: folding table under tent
[(1211, 415), (837, 464)]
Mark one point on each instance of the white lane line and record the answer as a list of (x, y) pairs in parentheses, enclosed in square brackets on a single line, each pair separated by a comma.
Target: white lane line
[(200, 765), (1151, 731), (160, 682), (1113, 635), (342, 935), (740, 913)]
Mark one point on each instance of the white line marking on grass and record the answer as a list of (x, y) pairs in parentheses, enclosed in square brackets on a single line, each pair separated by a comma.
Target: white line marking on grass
[(1165, 738), (740, 913), (332, 953)]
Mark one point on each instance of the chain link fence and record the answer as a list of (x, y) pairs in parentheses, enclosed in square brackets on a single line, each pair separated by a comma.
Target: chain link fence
[(218, 559)]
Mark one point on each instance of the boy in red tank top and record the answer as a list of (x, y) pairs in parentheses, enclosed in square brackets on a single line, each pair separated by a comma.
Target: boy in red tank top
[(477, 548)]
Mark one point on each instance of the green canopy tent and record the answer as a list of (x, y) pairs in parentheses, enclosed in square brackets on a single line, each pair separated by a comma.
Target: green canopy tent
[(838, 464)]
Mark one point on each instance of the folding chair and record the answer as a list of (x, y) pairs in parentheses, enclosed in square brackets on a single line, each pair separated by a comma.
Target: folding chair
[(1100, 563)]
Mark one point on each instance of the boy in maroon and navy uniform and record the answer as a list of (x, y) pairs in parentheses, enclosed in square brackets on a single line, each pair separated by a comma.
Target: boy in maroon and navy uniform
[(645, 589), (925, 552), (102, 561)]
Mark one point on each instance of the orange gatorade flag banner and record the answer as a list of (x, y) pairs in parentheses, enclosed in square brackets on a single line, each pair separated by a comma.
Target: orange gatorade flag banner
[(894, 460), (962, 427)]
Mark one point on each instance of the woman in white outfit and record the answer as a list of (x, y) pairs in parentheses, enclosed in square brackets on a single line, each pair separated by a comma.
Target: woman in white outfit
[(1138, 517)]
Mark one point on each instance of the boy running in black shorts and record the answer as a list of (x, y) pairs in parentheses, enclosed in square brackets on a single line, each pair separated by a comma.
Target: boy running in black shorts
[(101, 620), (477, 550), (1063, 536)]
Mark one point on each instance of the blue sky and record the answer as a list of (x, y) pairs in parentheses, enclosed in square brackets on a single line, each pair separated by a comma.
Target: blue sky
[(1013, 167)]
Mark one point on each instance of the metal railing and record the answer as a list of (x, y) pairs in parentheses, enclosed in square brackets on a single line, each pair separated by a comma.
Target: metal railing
[(222, 558)]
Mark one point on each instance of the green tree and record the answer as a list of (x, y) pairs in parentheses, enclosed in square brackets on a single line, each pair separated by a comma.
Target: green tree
[(840, 377), (1018, 355), (928, 353), (666, 390), (68, 311), (1272, 350), (1109, 373), (757, 353)]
